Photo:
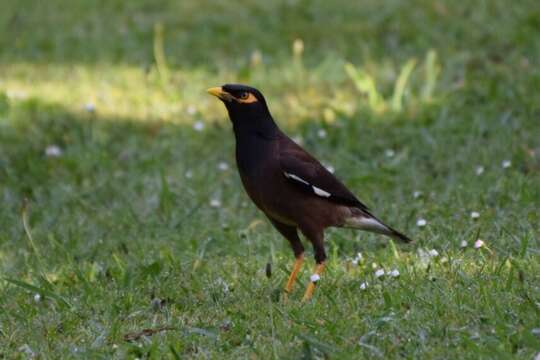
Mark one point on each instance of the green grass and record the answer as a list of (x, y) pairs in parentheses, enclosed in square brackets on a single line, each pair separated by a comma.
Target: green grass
[(117, 234)]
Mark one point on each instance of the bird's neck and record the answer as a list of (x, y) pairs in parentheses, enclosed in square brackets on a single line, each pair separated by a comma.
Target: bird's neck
[(263, 128), (254, 146)]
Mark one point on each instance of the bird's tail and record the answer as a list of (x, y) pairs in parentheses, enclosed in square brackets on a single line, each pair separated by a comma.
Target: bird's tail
[(370, 223)]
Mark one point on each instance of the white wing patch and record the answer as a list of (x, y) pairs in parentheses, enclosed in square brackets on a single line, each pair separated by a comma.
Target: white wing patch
[(294, 177), (320, 192), (317, 191)]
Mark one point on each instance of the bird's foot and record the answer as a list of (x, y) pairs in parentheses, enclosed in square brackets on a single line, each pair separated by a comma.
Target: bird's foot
[(292, 278), (319, 268)]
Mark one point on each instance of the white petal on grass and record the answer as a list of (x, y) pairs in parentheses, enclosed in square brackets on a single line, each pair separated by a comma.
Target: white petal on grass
[(475, 215), (394, 273), (389, 153), (191, 110), (321, 133), (314, 278), (37, 298), (379, 273), (90, 107), (417, 194), (357, 259), (433, 253), (223, 166), (53, 151), (215, 203), (364, 286), (479, 170), (189, 174), (198, 125), (421, 222), (506, 164), (479, 243), (463, 244)]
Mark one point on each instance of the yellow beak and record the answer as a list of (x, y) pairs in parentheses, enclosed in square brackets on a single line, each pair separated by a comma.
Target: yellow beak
[(216, 91), (220, 93)]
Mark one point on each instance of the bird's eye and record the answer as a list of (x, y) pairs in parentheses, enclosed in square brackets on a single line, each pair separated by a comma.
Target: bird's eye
[(244, 96)]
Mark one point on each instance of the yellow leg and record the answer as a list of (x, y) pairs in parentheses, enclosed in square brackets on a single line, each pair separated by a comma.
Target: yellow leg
[(319, 268), (292, 278)]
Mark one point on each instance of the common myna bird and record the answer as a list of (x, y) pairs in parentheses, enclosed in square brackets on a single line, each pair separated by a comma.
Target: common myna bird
[(289, 185)]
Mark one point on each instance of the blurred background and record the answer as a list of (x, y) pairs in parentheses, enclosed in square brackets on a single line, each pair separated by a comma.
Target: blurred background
[(428, 110)]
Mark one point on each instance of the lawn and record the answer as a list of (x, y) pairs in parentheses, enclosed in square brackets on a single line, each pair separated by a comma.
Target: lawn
[(124, 230)]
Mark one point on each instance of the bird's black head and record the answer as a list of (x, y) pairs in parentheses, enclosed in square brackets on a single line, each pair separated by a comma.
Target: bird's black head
[(247, 108)]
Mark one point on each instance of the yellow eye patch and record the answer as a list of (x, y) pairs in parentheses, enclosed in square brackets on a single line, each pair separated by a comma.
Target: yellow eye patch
[(246, 98)]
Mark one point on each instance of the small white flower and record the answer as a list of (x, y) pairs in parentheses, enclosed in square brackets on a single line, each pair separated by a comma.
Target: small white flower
[(191, 110), (379, 273), (475, 215), (114, 346), (389, 153), (433, 253), (198, 125), (478, 244), (314, 278), (479, 170), (223, 166), (53, 151), (417, 194), (421, 222), (394, 273), (463, 244), (357, 259), (90, 107), (364, 285), (321, 133), (37, 298), (506, 164), (189, 174), (215, 203)]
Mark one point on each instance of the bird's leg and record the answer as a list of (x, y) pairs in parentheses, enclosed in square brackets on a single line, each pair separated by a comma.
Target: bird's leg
[(319, 268), (291, 234), (316, 237), (296, 268)]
